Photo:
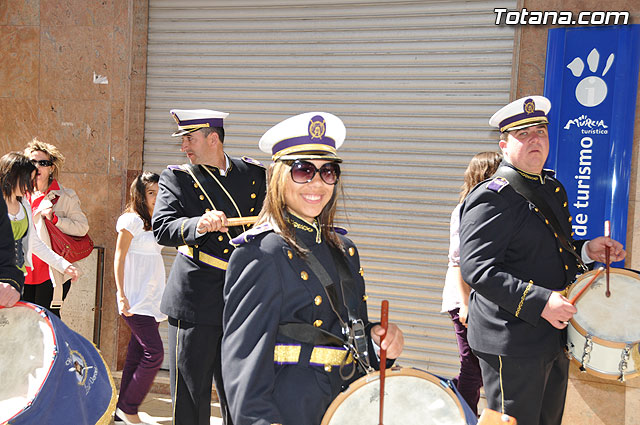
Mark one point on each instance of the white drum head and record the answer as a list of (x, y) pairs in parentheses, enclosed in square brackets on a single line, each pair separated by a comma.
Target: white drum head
[(613, 318), (26, 357), (411, 397)]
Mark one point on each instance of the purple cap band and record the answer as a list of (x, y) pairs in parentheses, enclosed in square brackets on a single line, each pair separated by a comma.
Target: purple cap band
[(213, 122), (521, 116), (302, 140)]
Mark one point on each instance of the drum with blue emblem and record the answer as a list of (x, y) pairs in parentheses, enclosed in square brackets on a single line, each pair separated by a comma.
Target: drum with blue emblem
[(50, 374)]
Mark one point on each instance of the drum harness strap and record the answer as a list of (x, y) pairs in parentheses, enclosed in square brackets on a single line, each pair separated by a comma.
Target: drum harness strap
[(354, 330), (518, 184)]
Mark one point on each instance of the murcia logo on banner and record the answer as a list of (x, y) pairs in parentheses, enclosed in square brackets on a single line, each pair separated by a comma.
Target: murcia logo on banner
[(591, 90), (588, 125)]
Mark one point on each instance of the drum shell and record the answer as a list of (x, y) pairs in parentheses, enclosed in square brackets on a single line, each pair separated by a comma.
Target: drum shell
[(78, 388), (607, 349), (432, 398)]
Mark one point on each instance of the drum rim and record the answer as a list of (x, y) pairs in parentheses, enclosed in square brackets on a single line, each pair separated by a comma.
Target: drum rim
[(600, 374), (394, 371), (38, 310), (573, 355), (582, 331)]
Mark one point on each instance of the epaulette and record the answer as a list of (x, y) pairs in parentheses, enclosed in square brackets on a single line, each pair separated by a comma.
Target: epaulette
[(252, 161), (498, 184), (340, 230), (251, 234), (176, 168)]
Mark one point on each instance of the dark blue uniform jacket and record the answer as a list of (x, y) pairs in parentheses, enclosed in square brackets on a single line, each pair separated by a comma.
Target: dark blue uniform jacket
[(513, 260), (267, 285), (194, 286), (9, 273)]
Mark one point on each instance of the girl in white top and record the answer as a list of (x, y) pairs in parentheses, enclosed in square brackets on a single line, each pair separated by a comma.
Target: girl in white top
[(140, 281), (455, 295)]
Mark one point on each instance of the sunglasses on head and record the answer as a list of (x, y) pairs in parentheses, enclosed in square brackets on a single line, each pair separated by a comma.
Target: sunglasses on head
[(304, 171), (42, 162)]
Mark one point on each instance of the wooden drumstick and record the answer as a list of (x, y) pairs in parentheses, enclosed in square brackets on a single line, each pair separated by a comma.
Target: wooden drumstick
[(384, 322), (584, 288), (607, 254), (241, 221)]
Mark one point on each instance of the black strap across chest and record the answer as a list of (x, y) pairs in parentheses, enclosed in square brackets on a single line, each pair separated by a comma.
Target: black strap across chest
[(526, 191), (346, 285), (354, 334)]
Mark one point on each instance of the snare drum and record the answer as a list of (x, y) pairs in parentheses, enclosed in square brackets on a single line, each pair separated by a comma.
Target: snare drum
[(602, 337), (411, 396), (50, 374)]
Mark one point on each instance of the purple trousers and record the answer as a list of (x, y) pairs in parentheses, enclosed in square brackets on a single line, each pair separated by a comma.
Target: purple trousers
[(469, 380), (144, 357)]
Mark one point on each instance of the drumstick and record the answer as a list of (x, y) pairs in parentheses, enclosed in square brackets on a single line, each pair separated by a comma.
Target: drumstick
[(384, 322), (241, 221), (584, 288), (607, 254)]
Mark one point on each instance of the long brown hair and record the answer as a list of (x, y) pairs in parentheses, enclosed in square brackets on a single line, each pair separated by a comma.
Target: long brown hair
[(274, 209), (481, 167), (138, 191), (16, 170)]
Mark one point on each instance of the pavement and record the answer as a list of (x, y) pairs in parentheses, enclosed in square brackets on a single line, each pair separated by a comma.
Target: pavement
[(156, 410), (156, 407)]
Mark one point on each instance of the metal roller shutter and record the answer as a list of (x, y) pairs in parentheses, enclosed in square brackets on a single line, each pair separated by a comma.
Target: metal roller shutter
[(414, 82)]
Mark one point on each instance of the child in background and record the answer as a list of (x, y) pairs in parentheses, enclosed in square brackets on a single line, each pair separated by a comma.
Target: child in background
[(455, 295), (140, 281)]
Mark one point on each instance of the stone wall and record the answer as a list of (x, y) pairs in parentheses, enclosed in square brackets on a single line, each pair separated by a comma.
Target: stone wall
[(73, 74)]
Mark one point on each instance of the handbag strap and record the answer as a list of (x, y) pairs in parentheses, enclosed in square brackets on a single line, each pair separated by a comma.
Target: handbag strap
[(56, 300)]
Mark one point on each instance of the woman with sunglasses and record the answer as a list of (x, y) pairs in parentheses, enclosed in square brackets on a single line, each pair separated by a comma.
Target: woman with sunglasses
[(52, 201), (294, 290), (16, 179)]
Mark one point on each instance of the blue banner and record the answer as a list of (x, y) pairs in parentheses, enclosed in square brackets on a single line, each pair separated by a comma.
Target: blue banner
[(591, 79)]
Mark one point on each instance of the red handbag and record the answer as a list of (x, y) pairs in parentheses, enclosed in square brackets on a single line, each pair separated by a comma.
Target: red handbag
[(72, 248)]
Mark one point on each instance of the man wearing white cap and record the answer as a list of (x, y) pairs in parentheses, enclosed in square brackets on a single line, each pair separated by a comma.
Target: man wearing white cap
[(295, 293), (518, 255), (191, 211)]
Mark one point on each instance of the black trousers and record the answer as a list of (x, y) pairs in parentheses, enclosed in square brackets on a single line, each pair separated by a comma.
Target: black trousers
[(194, 361), (42, 294), (531, 389)]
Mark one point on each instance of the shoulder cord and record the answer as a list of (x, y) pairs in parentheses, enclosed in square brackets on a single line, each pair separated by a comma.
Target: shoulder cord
[(226, 192), (193, 169)]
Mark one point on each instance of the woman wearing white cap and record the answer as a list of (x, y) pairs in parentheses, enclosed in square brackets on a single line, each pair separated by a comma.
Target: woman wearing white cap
[(282, 350)]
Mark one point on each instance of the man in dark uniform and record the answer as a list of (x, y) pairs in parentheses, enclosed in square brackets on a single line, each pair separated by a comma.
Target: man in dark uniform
[(11, 278), (194, 202), (518, 255)]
